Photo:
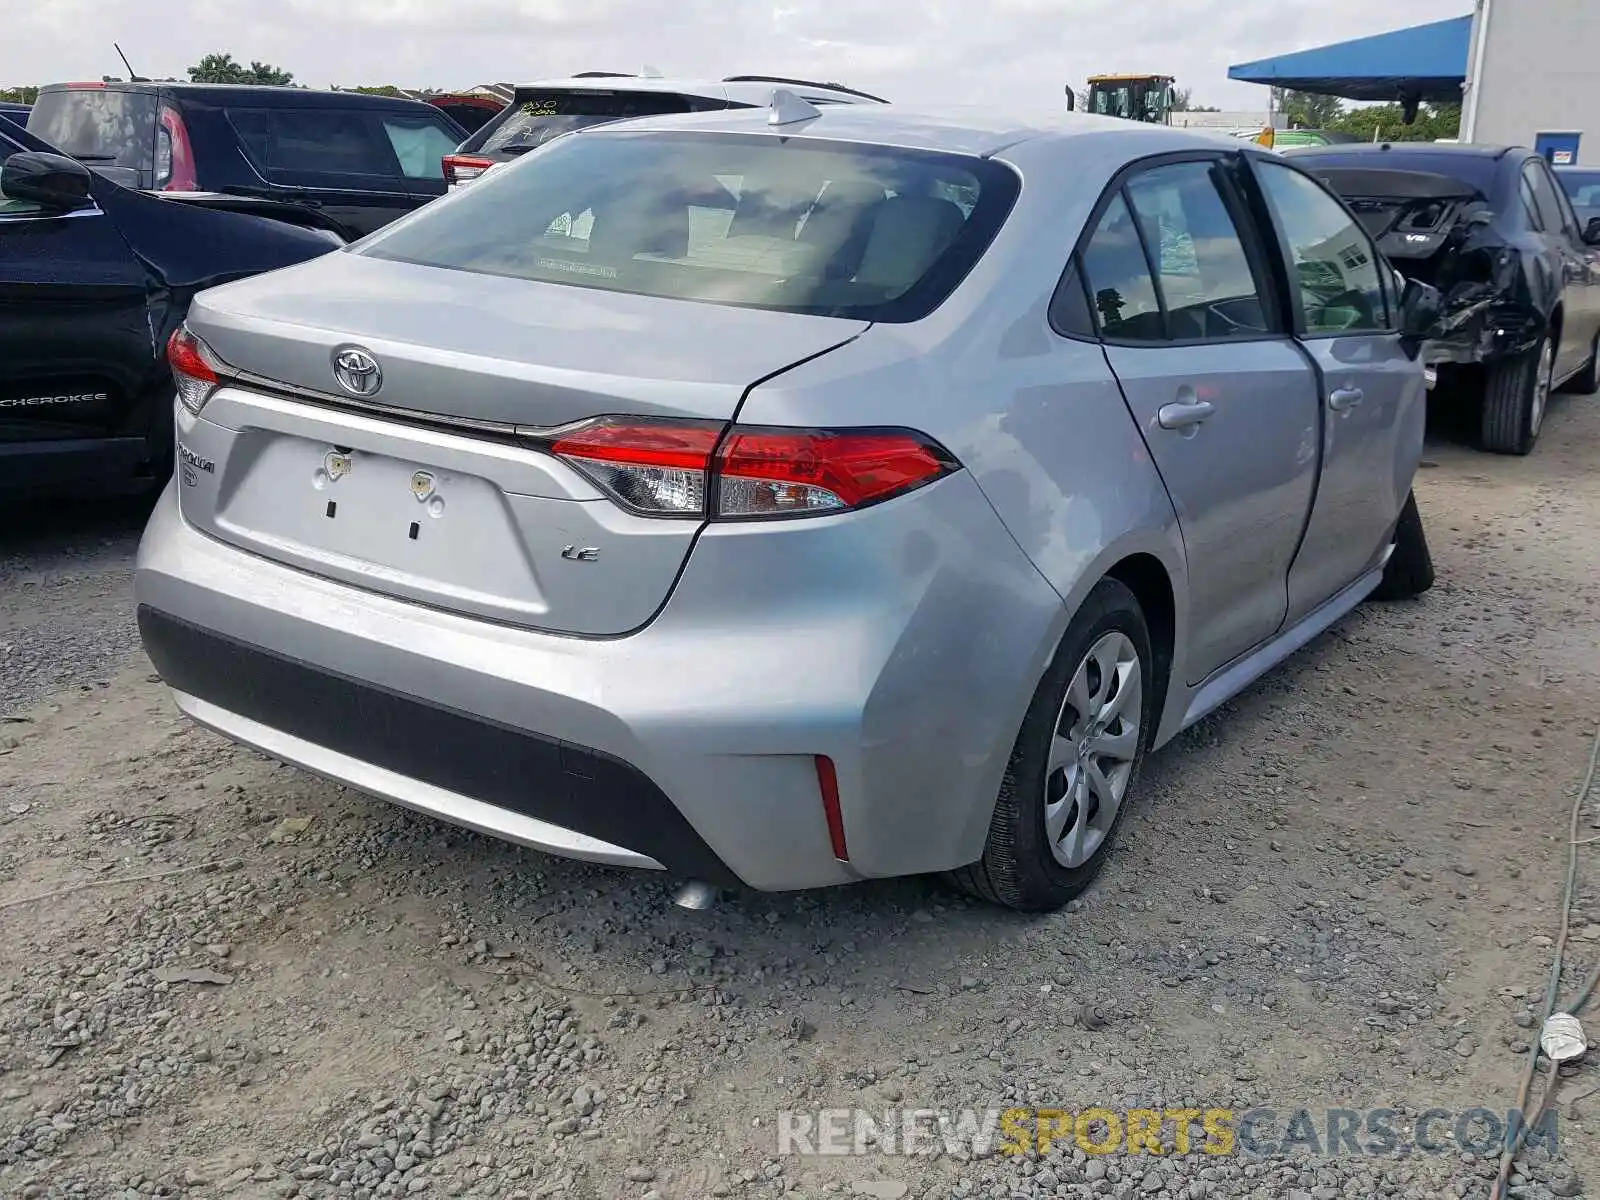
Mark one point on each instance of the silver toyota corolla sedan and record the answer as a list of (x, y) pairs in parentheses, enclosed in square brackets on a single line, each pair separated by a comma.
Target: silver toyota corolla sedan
[(789, 497)]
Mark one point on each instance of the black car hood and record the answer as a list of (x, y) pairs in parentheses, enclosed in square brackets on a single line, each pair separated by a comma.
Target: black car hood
[(191, 247)]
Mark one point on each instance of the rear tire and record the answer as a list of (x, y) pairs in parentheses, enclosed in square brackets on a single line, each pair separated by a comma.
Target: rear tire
[(1587, 381), (1516, 394), (1072, 772), (1409, 571)]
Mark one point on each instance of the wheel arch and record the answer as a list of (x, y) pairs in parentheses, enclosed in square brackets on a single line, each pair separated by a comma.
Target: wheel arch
[(1146, 577)]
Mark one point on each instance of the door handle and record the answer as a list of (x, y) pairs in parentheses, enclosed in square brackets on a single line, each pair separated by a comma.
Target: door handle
[(1184, 415), (1342, 398)]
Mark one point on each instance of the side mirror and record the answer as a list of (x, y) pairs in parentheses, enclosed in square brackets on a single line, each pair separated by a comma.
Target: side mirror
[(1421, 307), (1072, 100), (52, 181), (1591, 232)]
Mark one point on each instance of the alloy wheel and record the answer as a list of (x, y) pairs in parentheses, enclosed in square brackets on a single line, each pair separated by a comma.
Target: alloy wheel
[(1097, 737), (1541, 385)]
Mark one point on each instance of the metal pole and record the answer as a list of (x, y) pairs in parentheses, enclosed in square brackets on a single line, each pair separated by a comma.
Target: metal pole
[(1480, 30)]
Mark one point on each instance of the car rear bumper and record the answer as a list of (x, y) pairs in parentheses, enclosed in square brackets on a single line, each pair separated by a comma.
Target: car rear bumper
[(690, 746), (75, 466), (538, 791)]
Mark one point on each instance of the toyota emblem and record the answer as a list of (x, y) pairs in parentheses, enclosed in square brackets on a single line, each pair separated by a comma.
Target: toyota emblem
[(356, 371)]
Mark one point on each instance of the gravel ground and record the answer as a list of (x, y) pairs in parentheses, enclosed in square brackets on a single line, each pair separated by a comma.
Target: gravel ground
[(66, 616), (220, 976)]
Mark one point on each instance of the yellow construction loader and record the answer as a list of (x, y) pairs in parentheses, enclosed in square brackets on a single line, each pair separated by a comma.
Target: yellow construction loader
[(1146, 98)]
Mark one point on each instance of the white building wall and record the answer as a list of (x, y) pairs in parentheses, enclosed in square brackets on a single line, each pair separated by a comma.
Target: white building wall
[(1535, 67)]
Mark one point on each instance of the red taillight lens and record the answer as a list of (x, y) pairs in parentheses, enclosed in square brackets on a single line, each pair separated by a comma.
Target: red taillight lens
[(779, 472), (458, 168), (174, 154), (690, 469), (194, 368), (654, 467)]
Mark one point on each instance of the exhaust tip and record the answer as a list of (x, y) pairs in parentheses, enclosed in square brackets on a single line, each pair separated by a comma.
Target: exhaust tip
[(696, 896)]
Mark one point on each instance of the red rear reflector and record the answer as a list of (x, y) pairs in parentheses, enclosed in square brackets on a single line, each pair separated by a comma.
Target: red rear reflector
[(828, 782), (89, 84), (458, 168)]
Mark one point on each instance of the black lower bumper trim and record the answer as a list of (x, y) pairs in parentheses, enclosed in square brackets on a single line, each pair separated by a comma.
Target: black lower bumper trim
[(545, 778)]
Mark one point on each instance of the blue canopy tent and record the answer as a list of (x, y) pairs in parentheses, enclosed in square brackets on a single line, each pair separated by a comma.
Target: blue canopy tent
[(1424, 62)]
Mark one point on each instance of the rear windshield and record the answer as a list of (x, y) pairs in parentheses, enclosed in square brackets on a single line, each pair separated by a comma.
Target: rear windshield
[(99, 126), (837, 229), (536, 116)]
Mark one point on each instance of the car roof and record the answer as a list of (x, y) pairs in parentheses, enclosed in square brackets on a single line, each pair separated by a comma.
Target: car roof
[(734, 87), (954, 129), (252, 93)]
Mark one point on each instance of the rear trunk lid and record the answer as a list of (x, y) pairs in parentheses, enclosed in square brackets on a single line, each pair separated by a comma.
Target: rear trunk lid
[(422, 488), (1414, 216)]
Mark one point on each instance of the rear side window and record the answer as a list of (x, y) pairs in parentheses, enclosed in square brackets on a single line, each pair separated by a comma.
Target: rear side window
[(1120, 285), (101, 126), (838, 229), (284, 141), (1333, 263), (419, 144), (536, 116), (1553, 202)]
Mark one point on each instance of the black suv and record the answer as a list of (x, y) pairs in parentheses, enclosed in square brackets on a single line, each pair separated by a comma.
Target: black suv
[(346, 161), (94, 278)]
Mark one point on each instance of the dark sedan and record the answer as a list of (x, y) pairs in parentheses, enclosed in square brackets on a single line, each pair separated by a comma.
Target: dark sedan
[(1493, 231), (94, 278)]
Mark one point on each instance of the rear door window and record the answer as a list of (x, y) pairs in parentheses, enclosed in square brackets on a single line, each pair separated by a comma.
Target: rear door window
[(111, 131), (295, 144), (1206, 281), (536, 116), (419, 143)]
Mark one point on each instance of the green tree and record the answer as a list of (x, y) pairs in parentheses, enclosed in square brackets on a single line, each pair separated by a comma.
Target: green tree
[(1386, 122), (1306, 110), (1183, 101), (221, 68), (19, 95)]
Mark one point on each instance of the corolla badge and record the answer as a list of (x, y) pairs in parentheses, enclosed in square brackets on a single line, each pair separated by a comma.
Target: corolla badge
[(356, 371)]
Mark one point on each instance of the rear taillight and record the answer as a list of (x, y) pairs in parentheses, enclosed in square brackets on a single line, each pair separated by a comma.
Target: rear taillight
[(691, 469), (458, 168), (195, 369), (174, 154)]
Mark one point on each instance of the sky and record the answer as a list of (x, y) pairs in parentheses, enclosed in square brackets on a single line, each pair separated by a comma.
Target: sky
[(1011, 52)]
